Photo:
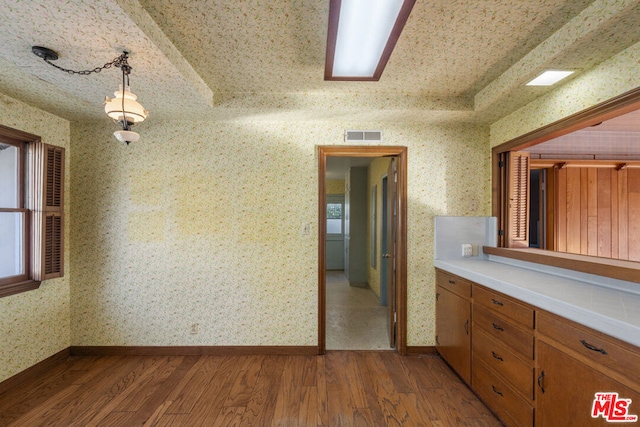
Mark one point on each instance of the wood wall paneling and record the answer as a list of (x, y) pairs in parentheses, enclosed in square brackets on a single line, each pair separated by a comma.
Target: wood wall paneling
[(592, 212), (584, 211), (561, 203), (615, 232), (633, 186), (598, 212), (573, 209), (623, 214)]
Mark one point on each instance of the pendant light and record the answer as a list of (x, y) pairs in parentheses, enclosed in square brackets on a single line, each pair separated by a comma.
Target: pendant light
[(124, 108)]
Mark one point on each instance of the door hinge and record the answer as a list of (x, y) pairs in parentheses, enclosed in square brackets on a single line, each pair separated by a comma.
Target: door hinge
[(501, 164), (500, 232)]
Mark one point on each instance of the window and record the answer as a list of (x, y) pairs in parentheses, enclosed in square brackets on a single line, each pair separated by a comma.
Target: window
[(334, 218), (13, 215), (31, 211)]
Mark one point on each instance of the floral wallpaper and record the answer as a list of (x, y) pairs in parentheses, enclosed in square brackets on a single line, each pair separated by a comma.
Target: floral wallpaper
[(334, 186), (613, 77), (203, 223), (35, 324)]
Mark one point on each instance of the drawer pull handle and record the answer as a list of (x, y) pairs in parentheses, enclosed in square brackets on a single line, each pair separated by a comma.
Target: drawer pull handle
[(466, 326), (496, 302), (496, 327), (593, 347), (495, 356), (452, 282), (496, 391), (540, 378)]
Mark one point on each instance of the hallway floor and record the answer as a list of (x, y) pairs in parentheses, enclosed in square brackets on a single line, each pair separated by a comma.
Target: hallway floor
[(355, 318)]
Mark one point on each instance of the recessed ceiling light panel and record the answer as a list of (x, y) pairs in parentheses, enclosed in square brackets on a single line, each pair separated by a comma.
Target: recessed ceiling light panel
[(549, 78), (362, 35)]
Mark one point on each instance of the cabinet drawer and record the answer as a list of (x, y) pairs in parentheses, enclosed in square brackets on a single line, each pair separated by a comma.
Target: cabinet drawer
[(591, 344), (505, 402), (503, 361), (503, 305), (503, 331), (453, 283)]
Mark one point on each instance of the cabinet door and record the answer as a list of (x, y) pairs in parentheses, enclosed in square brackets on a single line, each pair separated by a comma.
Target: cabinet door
[(453, 331), (567, 388)]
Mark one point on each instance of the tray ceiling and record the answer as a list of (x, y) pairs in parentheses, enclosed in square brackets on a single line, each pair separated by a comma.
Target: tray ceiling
[(198, 59)]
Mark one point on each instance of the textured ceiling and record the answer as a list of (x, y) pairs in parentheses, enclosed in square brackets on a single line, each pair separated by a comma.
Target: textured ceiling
[(455, 61)]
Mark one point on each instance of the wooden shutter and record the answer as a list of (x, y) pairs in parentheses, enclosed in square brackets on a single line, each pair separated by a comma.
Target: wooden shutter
[(46, 202), (53, 249), (54, 181), (518, 199)]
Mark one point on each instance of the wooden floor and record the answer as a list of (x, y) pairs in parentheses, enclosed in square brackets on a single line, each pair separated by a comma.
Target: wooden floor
[(342, 388)]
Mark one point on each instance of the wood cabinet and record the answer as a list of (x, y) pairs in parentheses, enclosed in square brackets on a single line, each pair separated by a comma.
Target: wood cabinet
[(502, 355), (453, 322), (575, 363), (567, 389), (532, 367)]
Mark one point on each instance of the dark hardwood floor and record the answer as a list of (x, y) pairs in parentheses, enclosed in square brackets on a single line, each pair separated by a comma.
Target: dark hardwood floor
[(342, 388)]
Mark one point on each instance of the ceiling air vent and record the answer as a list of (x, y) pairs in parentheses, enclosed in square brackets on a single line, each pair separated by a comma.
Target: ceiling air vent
[(363, 135)]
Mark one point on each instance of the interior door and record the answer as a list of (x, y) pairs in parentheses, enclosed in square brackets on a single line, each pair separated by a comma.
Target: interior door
[(389, 257), (383, 243)]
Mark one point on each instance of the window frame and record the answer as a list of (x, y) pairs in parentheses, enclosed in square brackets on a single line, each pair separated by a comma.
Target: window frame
[(39, 248)]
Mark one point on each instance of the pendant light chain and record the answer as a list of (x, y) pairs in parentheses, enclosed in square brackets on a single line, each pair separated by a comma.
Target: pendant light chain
[(120, 61)]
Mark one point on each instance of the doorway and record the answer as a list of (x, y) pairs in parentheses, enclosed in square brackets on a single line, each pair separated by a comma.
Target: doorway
[(397, 271)]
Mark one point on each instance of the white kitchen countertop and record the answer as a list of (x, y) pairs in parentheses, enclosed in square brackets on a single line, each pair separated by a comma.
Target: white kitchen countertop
[(608, 306)]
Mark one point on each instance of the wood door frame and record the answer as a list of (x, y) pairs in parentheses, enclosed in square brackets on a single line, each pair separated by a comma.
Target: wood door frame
[(400, 152)]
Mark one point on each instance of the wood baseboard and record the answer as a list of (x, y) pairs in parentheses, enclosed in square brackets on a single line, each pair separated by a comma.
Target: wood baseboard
[(418, 350), (34, 371), (192, 350)]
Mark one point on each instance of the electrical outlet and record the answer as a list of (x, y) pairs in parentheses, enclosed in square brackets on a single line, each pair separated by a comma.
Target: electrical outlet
[(467, 250), (194, 328)]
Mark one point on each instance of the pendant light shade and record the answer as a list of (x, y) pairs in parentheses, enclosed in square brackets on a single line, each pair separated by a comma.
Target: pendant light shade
[(126, 136), (133, 112)]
